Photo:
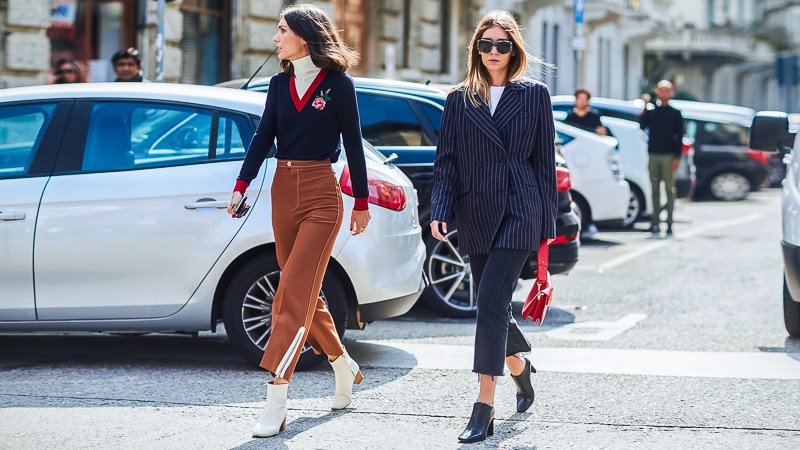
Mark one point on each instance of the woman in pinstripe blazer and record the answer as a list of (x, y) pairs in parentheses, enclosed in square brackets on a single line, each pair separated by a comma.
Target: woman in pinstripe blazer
[(495, 173)]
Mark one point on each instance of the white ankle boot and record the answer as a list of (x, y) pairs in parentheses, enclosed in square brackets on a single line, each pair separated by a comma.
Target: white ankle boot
[(273, 418), (347, 372)]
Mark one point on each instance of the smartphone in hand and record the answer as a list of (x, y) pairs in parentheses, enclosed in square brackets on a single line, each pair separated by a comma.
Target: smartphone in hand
[(242, 207)]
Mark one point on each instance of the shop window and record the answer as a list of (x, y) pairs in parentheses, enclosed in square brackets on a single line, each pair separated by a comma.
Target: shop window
[(205, 41)]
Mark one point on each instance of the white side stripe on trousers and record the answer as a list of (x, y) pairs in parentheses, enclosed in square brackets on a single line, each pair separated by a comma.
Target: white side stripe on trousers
[(287, 357)]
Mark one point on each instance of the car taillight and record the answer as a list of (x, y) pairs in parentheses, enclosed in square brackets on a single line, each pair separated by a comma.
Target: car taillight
[(563, 179), (762, 157), (382, 192), (565, 238), (687, 146)]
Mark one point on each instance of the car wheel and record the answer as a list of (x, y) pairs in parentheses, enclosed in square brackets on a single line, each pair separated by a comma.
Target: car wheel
[(451, 290), (247, 310), (583, 211), (791, 312), (729, 186), (636, 206)]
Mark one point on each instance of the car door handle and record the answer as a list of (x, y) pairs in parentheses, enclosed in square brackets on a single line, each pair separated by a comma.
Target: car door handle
[(12, 216), (206, 203)]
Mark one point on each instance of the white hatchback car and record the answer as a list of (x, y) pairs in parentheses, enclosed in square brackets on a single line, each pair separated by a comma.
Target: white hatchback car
[(112, 218), (634, 158), (771, 132), (599, 189)]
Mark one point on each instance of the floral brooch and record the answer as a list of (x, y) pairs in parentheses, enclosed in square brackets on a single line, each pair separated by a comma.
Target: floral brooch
[(321, 100)]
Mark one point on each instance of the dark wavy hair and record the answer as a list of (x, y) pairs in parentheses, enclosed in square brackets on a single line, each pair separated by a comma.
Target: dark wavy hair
[(325, 45)]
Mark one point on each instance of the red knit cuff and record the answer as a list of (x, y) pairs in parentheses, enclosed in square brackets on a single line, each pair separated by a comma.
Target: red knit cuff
[(241, 186), (362, 204)]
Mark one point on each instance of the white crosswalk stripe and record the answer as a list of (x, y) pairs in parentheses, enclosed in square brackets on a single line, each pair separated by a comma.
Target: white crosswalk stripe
[(781, 366)]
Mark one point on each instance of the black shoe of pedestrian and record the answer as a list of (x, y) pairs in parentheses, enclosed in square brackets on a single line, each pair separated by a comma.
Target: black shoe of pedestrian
[(481, 424), (669, 230), (525, 394), (655, 229)]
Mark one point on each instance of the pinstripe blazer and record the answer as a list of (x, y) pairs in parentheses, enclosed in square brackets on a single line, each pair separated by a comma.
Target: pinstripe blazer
[(481, 158)]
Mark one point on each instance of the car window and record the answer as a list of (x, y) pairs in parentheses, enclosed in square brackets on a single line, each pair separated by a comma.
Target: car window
[(565, 138), (136, 135), (21, 130), (715, 133), (434, 117), (389, 121)]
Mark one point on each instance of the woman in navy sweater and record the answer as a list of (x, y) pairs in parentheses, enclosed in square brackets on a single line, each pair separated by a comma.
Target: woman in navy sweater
[(310, 103), (495, 169)]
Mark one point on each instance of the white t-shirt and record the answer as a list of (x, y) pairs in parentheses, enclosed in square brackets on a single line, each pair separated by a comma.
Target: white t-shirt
[(495, 92)]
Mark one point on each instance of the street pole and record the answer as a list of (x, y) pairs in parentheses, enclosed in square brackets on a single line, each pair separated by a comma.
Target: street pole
[(578, 41), (160, 42)]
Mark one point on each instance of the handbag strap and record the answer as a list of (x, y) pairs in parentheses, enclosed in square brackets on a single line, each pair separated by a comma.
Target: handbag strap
[(543, 257)]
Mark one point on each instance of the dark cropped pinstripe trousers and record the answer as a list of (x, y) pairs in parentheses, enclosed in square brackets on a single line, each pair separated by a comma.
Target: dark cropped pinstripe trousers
[(497, 333)]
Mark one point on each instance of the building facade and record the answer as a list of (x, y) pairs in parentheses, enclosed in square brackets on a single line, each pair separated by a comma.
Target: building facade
[(619, 48)]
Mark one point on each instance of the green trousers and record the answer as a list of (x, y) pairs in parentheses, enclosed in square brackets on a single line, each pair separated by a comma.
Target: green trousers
[(661, 171)]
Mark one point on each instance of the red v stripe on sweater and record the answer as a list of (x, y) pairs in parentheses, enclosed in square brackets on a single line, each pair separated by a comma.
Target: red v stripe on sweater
[(301, 103)]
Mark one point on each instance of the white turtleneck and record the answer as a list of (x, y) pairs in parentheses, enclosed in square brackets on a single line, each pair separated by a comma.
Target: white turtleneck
[(304, 71)]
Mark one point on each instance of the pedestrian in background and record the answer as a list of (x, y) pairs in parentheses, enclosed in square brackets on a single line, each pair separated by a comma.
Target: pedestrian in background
[(68, 71), (495, 169), (127, 65), (582, 115), (310, 104), (665, 125)]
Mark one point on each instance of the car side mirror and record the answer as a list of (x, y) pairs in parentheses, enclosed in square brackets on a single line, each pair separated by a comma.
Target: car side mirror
[(770, 131)]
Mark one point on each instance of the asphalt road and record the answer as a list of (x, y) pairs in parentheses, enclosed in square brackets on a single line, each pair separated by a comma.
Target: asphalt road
[(651, 343)]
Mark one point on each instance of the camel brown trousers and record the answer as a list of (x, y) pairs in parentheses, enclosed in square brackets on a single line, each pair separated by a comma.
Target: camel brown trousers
[(306, 216)]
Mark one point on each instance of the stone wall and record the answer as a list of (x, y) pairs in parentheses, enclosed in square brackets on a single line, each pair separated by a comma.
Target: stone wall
[(24, 46)]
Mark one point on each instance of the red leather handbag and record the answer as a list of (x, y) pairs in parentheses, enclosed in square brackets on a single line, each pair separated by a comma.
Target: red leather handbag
[(538, 300)]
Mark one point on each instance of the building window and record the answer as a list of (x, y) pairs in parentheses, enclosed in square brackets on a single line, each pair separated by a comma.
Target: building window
[(205, 42), (444, 44), (405, 17)]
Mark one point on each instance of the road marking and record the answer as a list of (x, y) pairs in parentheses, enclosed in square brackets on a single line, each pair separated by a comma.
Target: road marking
[(622, 259), (779, 366), (595, 330)]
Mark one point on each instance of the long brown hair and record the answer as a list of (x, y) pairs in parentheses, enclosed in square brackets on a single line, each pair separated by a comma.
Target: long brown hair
[(476, 85), (325, 45)]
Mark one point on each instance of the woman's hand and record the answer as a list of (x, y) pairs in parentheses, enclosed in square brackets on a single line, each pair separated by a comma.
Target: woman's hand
[(235, 198), (359, 221), (435, 230)]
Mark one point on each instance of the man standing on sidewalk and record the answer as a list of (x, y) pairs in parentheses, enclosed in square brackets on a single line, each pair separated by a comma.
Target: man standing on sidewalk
[(665, 125)]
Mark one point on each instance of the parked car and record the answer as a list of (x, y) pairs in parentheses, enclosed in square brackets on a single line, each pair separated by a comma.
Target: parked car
[(403, 120), (599, 189), (112, 217), (633, 157), (725, 167), (770, 132)]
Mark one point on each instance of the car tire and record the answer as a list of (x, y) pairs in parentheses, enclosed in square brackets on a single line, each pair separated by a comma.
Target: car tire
[(247, 312), (636, 206), (729, 186), (450, 292), (791, 312), (582, 210)]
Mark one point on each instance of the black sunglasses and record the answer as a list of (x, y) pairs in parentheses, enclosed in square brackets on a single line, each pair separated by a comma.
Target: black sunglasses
[(63, 71), (503, 46)]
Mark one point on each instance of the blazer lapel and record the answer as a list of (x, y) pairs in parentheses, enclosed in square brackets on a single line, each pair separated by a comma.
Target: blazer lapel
[(483, 120), (509, 105)]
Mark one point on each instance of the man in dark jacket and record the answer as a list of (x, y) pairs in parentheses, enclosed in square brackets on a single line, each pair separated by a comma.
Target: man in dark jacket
[(665, 125), (127, 65)]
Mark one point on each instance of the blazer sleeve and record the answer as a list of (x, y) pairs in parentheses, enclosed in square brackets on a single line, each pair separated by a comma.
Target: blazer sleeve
[(349, 125), (445, 171), (544, 160), (264, 138)]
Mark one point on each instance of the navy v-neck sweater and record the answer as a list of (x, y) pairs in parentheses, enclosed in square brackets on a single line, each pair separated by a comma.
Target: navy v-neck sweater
[(309, 128)]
